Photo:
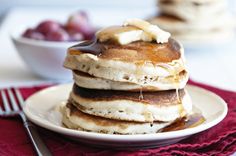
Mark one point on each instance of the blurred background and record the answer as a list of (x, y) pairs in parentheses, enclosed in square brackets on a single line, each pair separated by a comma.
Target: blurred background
[(210, 64), (6, 5)]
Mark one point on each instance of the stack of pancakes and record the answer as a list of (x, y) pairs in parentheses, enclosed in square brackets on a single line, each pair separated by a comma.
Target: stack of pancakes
[(195, 20), (135, 88)]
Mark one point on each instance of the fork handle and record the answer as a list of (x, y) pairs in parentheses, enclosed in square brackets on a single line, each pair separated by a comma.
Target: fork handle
[(39, 146)]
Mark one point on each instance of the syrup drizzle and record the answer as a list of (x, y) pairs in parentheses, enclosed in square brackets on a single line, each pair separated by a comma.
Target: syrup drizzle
[(176, 84), (137, 52), (90, 46), (186, 122), (141, 94)]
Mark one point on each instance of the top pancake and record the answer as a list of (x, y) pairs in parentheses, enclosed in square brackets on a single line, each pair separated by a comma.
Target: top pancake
[(134, 62), (137, 52)]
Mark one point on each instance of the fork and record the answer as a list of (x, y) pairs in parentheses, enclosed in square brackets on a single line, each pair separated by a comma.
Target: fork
[(11, 109)]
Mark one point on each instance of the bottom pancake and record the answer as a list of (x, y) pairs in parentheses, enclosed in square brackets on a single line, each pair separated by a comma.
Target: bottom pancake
[(75, 119)]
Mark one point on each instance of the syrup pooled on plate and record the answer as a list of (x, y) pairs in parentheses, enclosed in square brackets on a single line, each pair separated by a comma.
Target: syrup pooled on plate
[(186, 122)]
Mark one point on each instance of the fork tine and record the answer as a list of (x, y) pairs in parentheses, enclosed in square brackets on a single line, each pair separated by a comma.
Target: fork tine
[(12, 99), (19, 97), (5, 102)]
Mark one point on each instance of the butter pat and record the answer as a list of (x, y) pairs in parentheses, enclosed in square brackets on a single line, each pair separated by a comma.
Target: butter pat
[(122, 34), (133, 30), (154, 31)]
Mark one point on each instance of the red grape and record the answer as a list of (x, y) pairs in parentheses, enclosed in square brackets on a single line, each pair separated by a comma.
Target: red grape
[(31, 33), (88, 35), (78, 23), (48, 26), (59, 35), (76, 37), (77, 28)]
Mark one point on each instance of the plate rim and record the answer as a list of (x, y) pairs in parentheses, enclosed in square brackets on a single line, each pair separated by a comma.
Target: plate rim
[(130, 138)]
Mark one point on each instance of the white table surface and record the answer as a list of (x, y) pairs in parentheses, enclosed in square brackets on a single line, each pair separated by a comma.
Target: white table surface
[(214, 66)]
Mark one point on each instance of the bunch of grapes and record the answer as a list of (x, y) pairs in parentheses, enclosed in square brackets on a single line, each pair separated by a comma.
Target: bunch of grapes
[(76, 28)]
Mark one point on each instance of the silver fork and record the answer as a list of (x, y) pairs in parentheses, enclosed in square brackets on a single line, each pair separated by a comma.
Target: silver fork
[(39, 146)]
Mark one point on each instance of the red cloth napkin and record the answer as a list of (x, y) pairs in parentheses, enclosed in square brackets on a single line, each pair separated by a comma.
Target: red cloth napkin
[(219, 140)]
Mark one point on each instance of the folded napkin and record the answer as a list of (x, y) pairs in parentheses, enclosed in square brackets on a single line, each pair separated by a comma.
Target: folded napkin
[(219, 140)]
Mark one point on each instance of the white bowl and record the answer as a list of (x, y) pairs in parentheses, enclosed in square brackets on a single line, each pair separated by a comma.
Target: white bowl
[(44, 58)]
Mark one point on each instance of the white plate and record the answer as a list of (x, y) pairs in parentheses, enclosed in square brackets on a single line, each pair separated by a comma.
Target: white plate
[(40, 109)]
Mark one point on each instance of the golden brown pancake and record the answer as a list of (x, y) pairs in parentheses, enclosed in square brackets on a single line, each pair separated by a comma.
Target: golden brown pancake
[(136, 52), (137, 62)]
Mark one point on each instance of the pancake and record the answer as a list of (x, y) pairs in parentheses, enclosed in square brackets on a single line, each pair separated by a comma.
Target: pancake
[(137, 62), (201, 31), (188, 20), (133, 106), (203, 37), (162, 83), (193, 10), (75, 119), (176, 25), (196, 2)]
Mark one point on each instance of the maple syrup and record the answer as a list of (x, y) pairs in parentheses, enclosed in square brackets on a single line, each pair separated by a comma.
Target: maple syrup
[(138, 52), (90, 46), (186, 122), (141, 94)]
